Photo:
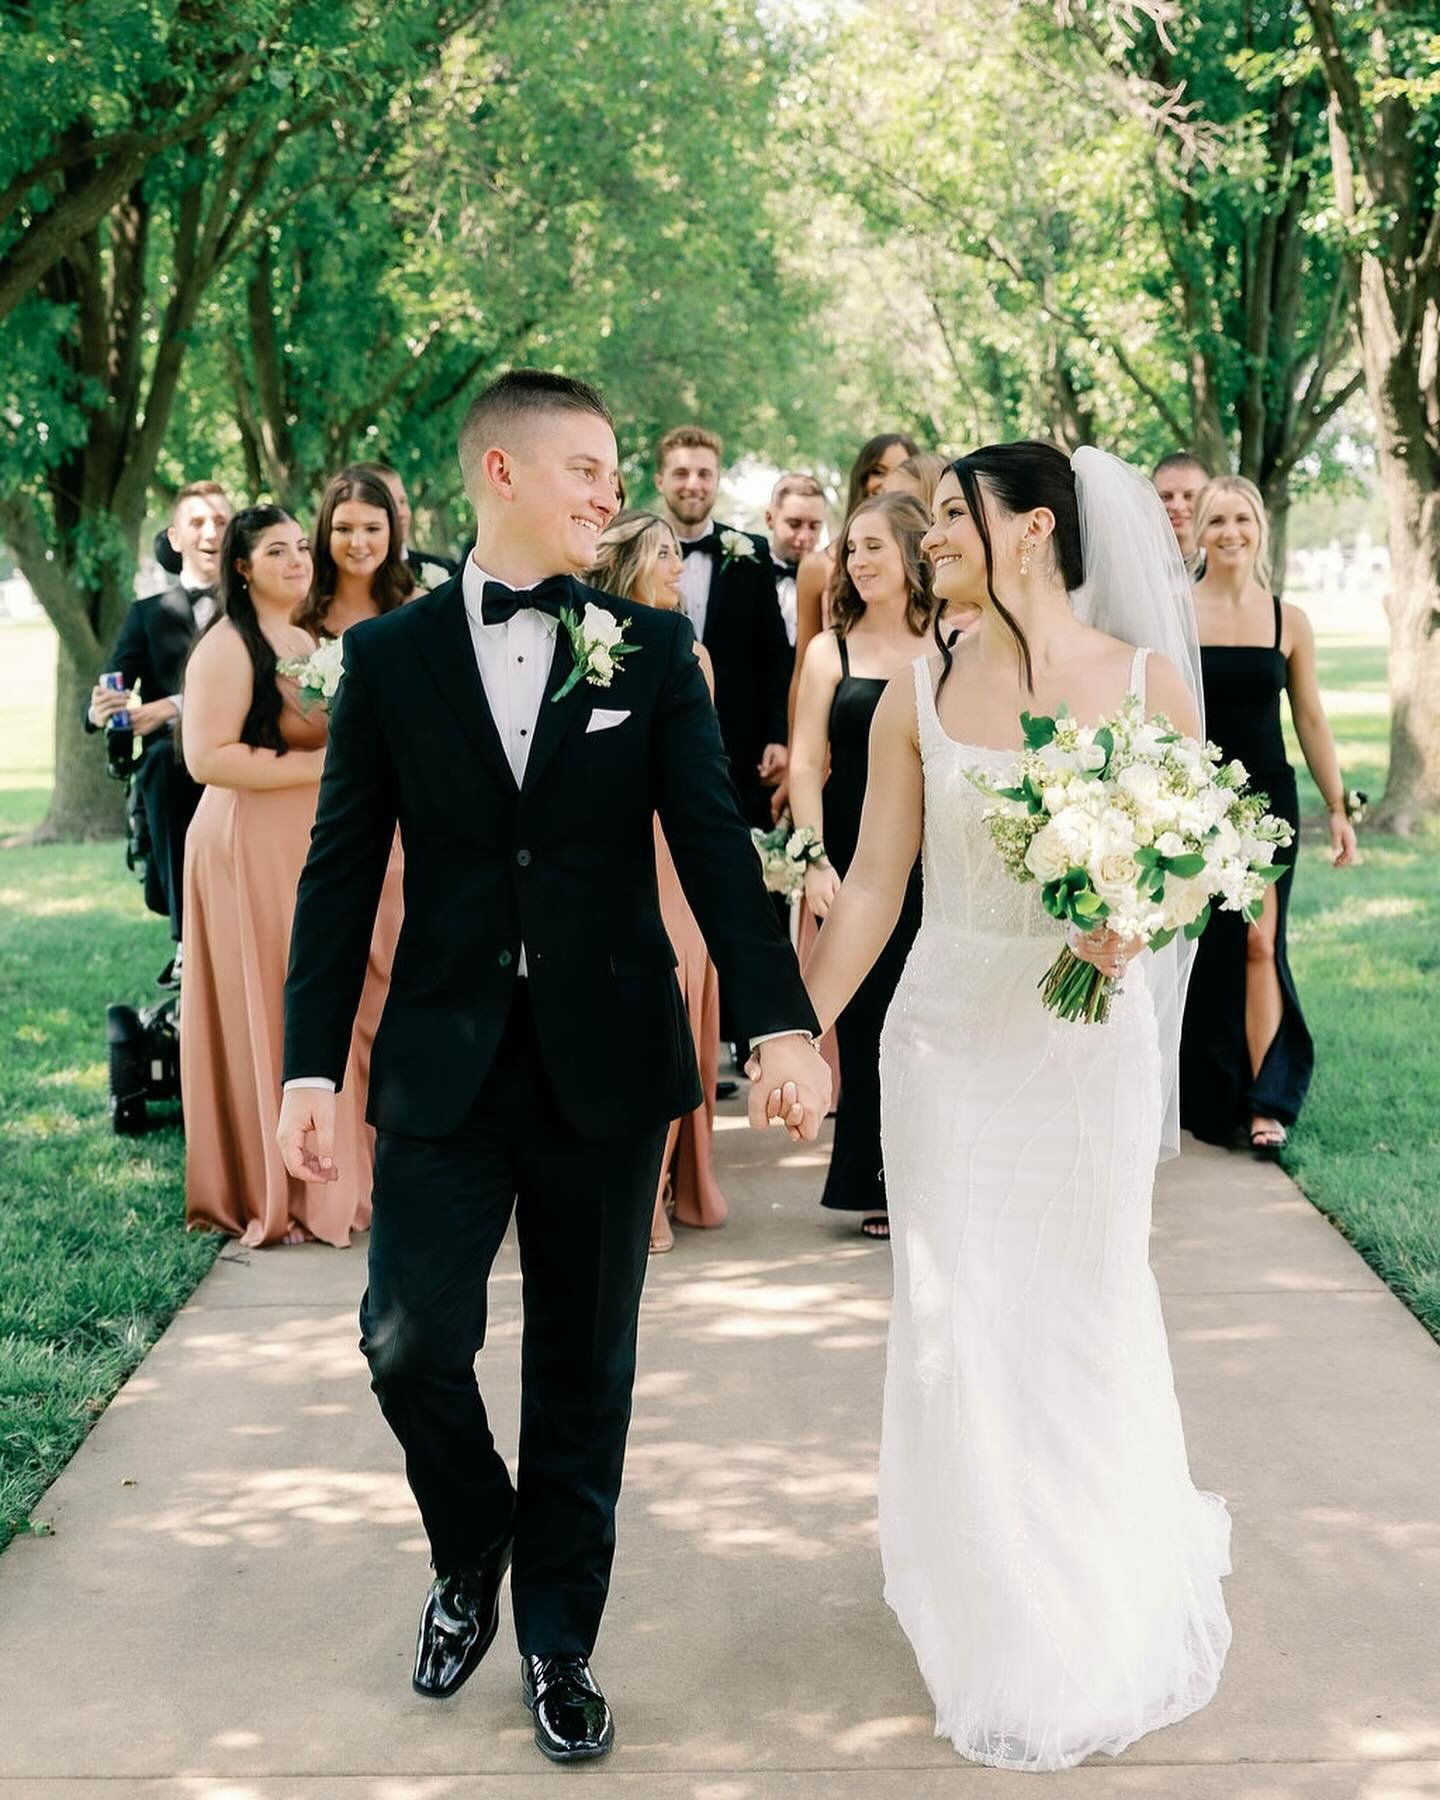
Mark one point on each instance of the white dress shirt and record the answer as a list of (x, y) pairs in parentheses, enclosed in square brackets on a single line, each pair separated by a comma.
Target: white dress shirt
[(514, 660), (696, 574)]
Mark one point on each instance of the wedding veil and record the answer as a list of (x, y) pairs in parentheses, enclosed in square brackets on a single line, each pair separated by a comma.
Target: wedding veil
[(1136, 588)]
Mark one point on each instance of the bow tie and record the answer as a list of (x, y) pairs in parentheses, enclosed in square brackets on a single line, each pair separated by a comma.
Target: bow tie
[(784, 568), (707, 543), (194, 594), (499, 604)]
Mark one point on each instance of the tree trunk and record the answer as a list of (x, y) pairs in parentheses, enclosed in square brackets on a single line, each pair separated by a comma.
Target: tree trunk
[(1412, 790), (86, 802)]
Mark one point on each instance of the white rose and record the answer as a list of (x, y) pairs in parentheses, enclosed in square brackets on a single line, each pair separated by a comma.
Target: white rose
[(1116, 871), (1047, 858), (602, 665), (599, 626), (1185, 900), (735, 543), (1053, 798), (1141, 783), (1170, 843), (1094, 756)]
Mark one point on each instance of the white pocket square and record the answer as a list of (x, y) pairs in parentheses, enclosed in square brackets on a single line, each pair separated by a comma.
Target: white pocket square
[(602, 720)]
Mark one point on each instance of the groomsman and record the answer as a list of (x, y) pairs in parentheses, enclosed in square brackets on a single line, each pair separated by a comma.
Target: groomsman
[(150, 654), (427, 566), (795, 519), (727, 588), (1178, 480)]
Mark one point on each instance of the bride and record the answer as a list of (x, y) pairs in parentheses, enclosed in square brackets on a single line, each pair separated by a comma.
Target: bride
[(1044, 1548)]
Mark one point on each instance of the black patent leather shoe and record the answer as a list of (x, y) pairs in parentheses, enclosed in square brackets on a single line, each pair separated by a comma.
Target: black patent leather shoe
[(572, 1716), (458, 1623)]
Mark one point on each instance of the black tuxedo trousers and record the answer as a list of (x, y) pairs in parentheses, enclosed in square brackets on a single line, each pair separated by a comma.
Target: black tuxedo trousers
[(582, 1215)]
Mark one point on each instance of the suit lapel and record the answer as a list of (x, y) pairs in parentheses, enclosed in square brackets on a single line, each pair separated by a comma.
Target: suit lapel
[(449, 653), (557, 717)]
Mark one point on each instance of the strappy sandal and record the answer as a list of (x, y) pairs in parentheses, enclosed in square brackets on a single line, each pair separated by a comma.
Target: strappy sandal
[(1267, 1141), (876, 1228)]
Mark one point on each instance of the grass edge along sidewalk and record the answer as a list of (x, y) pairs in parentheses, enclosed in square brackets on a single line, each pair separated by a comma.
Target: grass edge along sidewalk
[(94, 1258)]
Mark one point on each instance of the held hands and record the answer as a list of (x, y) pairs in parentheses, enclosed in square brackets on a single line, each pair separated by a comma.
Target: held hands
[(790, 1086), (780, 799), (306, 1134), (822, 884), (1105, 950)]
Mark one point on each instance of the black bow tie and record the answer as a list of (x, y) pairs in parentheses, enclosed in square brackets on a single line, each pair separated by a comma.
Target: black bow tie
[(707, 543), (499, 604), (784, 568)]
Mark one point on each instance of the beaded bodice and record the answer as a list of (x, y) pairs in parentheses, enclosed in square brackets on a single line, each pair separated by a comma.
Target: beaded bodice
[(968, 891)]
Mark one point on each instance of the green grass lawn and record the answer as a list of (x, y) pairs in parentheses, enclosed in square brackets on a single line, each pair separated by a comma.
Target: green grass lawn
[(93, 1256)]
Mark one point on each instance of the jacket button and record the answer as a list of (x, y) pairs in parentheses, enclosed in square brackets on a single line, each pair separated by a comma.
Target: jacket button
[(505, 959), (523, 858)]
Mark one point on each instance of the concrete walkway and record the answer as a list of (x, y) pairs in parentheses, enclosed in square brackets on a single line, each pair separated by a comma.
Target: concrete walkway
[(226, 1610)]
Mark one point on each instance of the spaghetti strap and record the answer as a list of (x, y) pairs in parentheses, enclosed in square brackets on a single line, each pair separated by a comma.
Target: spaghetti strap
[(844, 656), (1279, 619), (927, 720), (1137, 674)]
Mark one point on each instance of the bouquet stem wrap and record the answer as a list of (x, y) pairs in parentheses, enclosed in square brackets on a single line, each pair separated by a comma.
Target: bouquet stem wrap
[(1074, 989)]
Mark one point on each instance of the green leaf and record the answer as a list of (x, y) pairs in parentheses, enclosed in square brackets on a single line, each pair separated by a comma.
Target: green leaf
[(1185, 866), (1088, 904), (1162, 938), (1039, 730), (1271, 871), (1197, 925)]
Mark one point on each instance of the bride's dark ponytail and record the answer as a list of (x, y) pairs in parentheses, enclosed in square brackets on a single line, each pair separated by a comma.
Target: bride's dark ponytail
[(1019, 477)]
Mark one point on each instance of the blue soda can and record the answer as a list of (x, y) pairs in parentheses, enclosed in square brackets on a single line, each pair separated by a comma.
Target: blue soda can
[(118, 721)]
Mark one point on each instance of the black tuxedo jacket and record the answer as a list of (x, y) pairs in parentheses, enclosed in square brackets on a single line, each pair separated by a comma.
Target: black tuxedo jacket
[(564, 864), (745, 637), (152, 646)]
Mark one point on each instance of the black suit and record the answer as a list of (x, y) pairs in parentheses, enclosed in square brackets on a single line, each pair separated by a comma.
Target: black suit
[(550, 1095), (744, 633), (427, 565), (151, 649)]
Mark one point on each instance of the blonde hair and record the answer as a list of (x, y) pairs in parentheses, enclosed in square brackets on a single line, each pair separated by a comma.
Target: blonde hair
[(625, 551), (686, 437), (1247, 490)]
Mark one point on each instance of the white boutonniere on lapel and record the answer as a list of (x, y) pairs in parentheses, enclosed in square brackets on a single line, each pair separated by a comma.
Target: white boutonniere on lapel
[(737, 548), (597, 641)]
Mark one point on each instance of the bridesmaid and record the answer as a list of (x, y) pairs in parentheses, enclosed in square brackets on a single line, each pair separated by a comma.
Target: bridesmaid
[(1246, 1055), (639, 558), (360, 567), (259, 756), (918, 475), (881, 613), (868, 473)]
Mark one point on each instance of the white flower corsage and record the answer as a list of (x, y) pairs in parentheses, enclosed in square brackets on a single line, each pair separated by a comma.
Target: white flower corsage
[(317, 675), (737, 548), (596, 641), (786, 852)]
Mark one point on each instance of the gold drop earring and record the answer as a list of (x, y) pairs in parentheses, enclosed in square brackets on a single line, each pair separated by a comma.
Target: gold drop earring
[(1025, 556)]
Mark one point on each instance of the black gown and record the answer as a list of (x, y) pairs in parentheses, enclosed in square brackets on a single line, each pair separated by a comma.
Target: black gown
[(1218, 1094), (856, 1179)]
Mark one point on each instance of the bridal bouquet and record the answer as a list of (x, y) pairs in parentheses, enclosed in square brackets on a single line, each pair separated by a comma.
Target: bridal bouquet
[(785, 853), (316, 675), (1131, 826)]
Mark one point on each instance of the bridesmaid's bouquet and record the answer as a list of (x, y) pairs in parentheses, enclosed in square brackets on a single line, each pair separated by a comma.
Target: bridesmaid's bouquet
[(317, 675), (1131, 826), (785, 853)]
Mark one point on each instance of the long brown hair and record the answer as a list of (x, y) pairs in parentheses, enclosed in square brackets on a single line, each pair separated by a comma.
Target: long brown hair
[(908, 522), (624, 551), (867, 463), (391, 584)]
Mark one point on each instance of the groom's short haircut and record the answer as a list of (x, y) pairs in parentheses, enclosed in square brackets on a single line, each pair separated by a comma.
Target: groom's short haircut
[(511, 402)]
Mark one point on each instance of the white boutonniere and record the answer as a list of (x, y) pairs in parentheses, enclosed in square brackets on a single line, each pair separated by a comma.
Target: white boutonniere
[(737, 548), (597, 641), (317, 675)]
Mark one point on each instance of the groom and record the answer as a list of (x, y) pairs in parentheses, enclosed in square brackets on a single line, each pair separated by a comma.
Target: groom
[(534, 1045)]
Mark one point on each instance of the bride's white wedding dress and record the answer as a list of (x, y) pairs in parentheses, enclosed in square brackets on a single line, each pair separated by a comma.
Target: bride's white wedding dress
[(1044, 1548)]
